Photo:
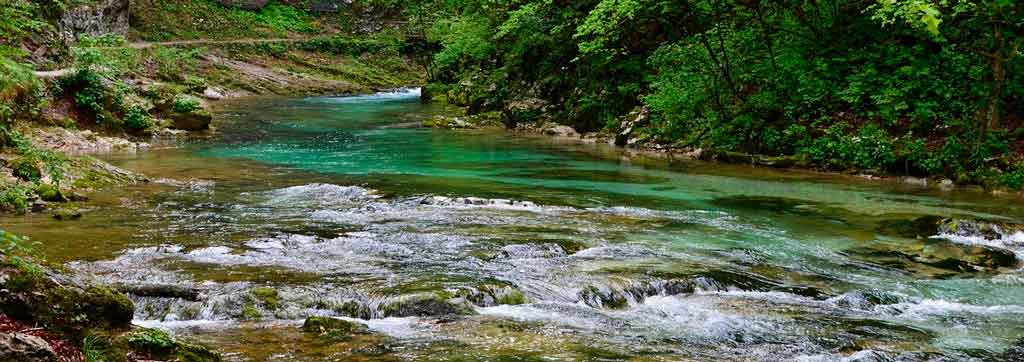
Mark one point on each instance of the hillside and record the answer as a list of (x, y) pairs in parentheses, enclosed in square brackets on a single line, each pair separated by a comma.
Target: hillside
[(74, 72)]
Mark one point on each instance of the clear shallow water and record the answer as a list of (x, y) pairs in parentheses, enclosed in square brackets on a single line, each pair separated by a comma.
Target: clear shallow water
[(563, 251)]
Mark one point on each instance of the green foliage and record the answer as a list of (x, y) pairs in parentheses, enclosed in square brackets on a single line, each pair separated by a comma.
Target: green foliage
[(137, 118), (1014, 178), (15, 248), (777, 78), (151, 340), (185, 104), (14, 197)]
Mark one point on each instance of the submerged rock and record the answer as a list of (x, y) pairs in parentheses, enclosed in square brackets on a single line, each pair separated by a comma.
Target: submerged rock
[(425, 305), (25, 348), (988, 230), (328, 325), (1014, 354), (918, 228), (937, 253)]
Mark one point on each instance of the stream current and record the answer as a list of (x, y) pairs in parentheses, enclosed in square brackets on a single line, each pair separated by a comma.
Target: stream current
[(484, 246)]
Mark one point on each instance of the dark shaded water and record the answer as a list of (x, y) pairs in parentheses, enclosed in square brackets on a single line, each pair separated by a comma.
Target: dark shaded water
[(564, 252)]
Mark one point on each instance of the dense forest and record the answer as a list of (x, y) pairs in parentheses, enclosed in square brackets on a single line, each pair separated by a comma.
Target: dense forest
[(916, 87)]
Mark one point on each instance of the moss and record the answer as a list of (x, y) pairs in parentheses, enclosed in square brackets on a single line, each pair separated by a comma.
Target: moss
[(513, 297), (157, 345), (50, 193), (266, 297), (151, 340), (58, 303), (424, 305), (333, 326), (249, 312), (26, 168)]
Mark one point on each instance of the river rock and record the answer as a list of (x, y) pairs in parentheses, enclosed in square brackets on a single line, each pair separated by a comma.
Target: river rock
[(213, 93), (324, 325), (1015, 353), (195, 120), (988, 230), (43, 297), (560, 130), (937, 253), (425, 305), (96, 18), (25, 348), (522, 111)]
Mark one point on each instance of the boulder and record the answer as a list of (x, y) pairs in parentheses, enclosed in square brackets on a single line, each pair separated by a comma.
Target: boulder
[(560, 130), (94, 19), (245, 4), (38, 295), (425, 305), (194, 120), (213, 93), (1015, 353), (989, 230), (25, 348)]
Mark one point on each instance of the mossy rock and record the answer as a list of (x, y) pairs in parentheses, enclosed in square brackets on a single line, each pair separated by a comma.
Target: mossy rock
[(59, 303), (333, 326), (425, 305), (67, 214), (266, 297), (50, 193), (194, 120), (155, 345), (26, 168)]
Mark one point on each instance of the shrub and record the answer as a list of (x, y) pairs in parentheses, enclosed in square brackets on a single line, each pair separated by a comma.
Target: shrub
[(14, 198), (1014, 178), (137, 119), (185, 104)]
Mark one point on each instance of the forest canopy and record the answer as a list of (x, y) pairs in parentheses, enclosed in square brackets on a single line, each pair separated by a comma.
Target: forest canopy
[(922, 87)]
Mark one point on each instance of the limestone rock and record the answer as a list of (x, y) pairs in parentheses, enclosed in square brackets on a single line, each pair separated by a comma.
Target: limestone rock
[(195, 120), (98, 18), (560, 131), (25, 348), (213, 94)]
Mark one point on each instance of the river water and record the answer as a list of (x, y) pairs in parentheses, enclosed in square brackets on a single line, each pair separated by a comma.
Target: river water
[(482, 246)]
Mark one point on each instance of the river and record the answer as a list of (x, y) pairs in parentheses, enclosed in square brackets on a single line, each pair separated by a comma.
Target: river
[(483, 246)]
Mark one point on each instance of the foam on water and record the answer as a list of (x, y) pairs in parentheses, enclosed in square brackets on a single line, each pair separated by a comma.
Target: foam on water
[(400, 94)]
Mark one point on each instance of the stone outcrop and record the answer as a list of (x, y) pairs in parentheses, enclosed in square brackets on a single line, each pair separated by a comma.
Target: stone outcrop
[(97, 18), (45, 298), (25, 348)]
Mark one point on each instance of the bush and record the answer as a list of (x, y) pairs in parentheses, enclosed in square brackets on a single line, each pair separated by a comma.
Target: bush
[(137, 119), (185, 104), (14, 198), (1014, 178)]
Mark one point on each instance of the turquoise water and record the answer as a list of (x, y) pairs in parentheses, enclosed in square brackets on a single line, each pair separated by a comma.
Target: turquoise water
[(562, 251)]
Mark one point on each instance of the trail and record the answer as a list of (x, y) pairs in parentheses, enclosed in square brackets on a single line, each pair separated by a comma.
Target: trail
[(50, 74)]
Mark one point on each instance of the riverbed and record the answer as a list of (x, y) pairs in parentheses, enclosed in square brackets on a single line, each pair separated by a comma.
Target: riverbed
[(479, 245)]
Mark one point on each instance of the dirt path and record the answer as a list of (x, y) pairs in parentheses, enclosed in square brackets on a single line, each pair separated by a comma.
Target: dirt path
[(50, 74)]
